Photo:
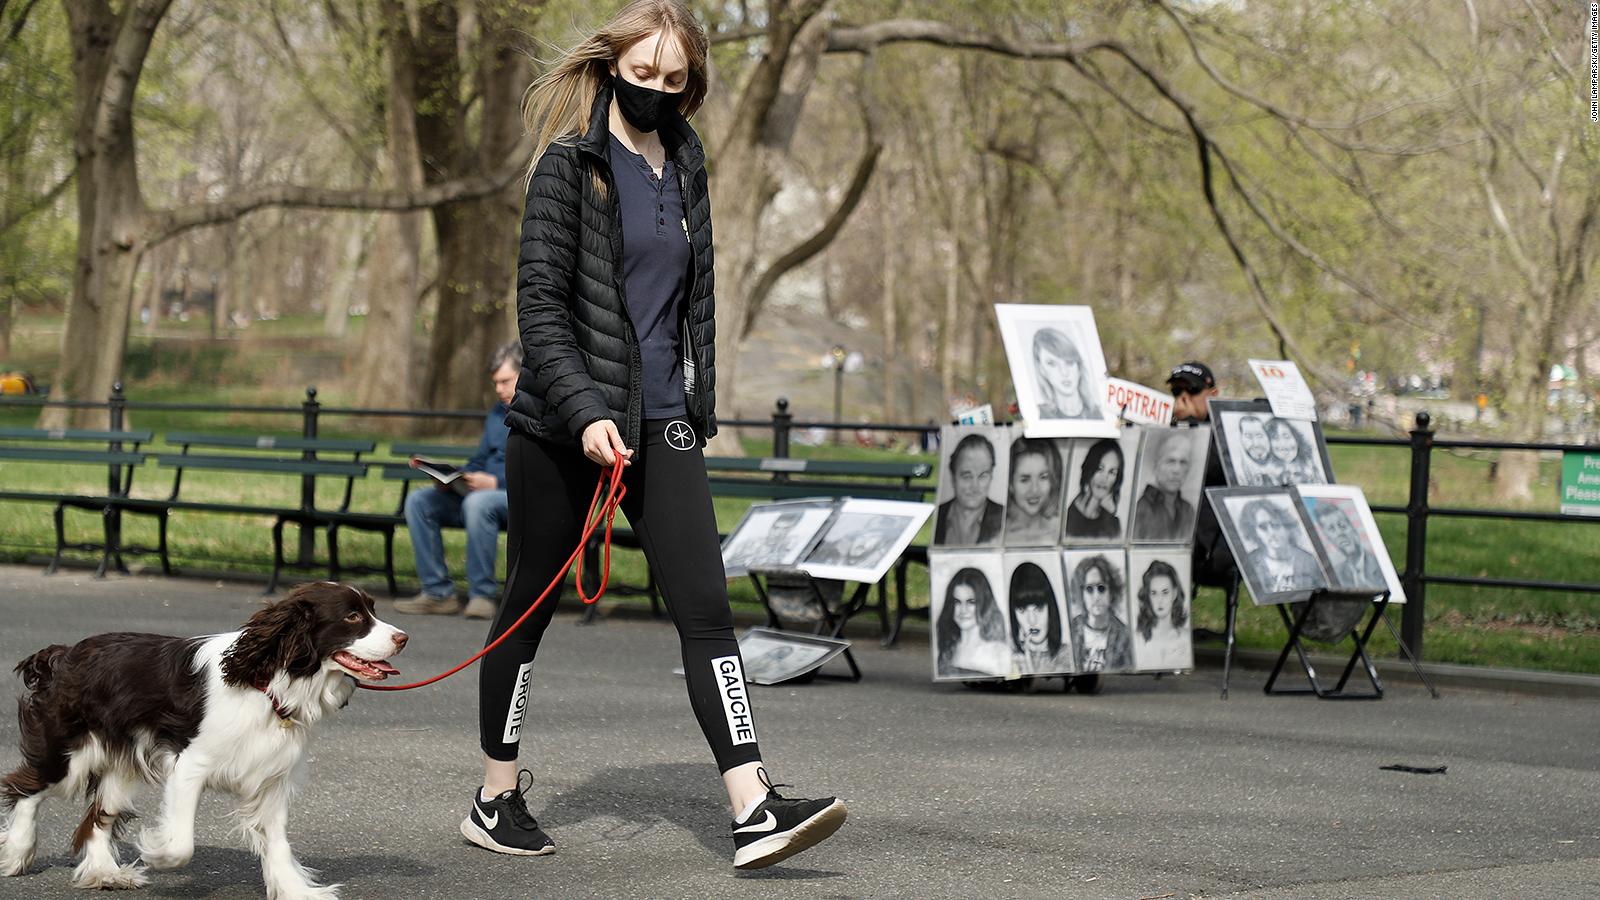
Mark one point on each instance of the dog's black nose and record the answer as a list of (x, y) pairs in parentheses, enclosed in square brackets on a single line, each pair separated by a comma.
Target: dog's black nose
[(400, 640)]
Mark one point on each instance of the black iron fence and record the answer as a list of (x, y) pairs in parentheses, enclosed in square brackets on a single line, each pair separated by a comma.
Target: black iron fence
[(782, 425)]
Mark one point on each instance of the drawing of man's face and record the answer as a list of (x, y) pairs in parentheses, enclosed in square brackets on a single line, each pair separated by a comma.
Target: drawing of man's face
[(1253, 437), (974, 469), (1096, 596), (1271, 533), (1337, 529), (1173, 464)]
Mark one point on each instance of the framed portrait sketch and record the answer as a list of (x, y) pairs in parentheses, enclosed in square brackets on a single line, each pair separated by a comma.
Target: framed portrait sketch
[(1160, 592), (1058, 370), (1097, 609), (1270, 542), (971, 496), (1348, 540), (1036, 613), (773, 657), (1171, 472), (1034, 485), (1100, 489), (864, 539), (774, 535), (969, 639), (1259, 449)]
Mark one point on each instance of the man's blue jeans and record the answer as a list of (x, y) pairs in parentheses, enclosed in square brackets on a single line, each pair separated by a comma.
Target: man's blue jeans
[(482, 512)]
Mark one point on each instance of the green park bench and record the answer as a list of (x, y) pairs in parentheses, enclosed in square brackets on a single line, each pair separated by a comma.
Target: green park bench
[(263, 455), (117, 451)]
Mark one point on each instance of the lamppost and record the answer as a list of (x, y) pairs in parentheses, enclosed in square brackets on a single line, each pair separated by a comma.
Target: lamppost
[(840, 360)]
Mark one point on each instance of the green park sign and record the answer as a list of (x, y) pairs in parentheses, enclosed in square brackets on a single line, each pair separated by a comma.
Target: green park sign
[(1580, 483)]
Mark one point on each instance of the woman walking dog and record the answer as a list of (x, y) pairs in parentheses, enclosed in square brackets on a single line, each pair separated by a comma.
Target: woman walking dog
[(614, 307)]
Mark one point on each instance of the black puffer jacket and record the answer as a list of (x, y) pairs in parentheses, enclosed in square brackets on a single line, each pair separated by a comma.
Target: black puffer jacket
[(581, 359)]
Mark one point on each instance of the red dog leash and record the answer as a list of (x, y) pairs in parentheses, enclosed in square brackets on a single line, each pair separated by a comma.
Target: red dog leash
[(611, 483)]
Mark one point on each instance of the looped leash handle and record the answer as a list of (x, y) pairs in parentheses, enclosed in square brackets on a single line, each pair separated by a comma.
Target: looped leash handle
[(611, 484)]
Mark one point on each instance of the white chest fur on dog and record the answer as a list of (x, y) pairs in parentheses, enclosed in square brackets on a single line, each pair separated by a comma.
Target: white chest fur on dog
[(230, 712)]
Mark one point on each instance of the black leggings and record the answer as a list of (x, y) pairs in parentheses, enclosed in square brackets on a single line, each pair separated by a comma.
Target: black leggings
[(549, 487)]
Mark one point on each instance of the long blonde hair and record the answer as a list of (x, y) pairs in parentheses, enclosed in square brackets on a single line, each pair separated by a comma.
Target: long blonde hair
[(556, 106)]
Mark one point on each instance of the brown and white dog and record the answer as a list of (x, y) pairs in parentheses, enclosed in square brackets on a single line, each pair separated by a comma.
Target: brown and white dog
[(230, 711)]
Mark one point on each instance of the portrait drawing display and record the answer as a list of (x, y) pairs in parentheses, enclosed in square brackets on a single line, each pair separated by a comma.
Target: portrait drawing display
[(969, 635), (1058, 370)]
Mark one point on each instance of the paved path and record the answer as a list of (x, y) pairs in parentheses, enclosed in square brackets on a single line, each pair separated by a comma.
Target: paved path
[(1152, 789)]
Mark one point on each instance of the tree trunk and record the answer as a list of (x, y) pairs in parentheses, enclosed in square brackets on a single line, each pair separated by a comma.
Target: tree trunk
[(336, 306), (891, 288)]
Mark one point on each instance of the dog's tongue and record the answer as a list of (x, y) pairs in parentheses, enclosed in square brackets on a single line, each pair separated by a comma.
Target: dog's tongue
[(383, 667)]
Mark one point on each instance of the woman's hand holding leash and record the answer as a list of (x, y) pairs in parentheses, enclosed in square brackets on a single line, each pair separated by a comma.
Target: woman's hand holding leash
[(602, 444)]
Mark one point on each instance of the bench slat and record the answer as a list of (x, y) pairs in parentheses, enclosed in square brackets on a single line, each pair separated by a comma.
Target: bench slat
[(271, 442), (262, 464), (819, 466), (71, 455), (448, 451), (45, 434)]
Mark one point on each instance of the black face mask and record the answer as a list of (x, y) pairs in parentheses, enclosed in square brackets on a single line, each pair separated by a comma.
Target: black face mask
[(645, 108)]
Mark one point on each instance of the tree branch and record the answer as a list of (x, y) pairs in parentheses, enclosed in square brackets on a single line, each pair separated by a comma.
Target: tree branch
[(823, 236), (170, 223), (114, 115), (42, 201)]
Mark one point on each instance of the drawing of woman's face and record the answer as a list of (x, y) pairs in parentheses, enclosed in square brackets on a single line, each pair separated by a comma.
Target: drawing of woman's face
[(1059, 374), (1105, 474), (1284, 446), (1034, 620), (965, 597), (1162, 594), (974, 469), (1030, 483), (1096, 596)]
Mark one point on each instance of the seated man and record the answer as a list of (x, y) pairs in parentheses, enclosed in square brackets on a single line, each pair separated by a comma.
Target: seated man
[(482, 510), (1212, 564)]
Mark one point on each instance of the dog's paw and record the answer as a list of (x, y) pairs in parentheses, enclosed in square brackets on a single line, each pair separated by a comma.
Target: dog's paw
[(159, 853), (116, 878), (306, 892), (14, 861)]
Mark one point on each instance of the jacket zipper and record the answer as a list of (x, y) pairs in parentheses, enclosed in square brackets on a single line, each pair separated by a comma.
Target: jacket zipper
[(699, 399)]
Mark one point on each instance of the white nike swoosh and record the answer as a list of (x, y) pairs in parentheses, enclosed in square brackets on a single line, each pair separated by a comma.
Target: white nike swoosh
[(493, 820), (769, 824)]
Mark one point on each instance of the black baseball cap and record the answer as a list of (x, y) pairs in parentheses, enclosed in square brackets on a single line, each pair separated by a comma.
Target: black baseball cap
[(1195, 376)]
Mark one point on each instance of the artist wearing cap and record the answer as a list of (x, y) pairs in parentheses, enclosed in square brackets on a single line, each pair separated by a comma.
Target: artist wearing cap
[(1192, 385)]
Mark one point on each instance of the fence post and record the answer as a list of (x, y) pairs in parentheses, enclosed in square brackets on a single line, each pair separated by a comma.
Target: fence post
[(116, 416), (1417, 536), (780, 428), (309, 411)]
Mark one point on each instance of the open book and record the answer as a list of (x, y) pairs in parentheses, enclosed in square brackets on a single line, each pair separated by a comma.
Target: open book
[(446, 474)]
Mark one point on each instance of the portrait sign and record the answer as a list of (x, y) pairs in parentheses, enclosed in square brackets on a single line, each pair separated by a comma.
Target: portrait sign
[(774, 535), (1138, 404), (1036, 614), (973, 464), (969, 637), (864, 539), (1160, 596), (1100, 494), (1259, 449), (1270, 541), (1348, 540), (1058, 370), (1097, 610), (1171, 473)]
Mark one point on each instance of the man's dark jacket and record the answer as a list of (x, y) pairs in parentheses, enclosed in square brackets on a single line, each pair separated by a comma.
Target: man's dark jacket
[(581, 358)]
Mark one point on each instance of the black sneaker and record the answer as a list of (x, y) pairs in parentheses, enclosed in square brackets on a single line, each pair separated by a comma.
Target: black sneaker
[(779, 828), (504, 824)]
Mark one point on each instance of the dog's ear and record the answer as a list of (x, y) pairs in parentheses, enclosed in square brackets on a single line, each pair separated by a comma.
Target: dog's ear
[(277, 637)]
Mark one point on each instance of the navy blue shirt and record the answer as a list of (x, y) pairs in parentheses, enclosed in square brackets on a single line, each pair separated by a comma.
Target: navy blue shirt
[(655, 267), (491, 455)]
